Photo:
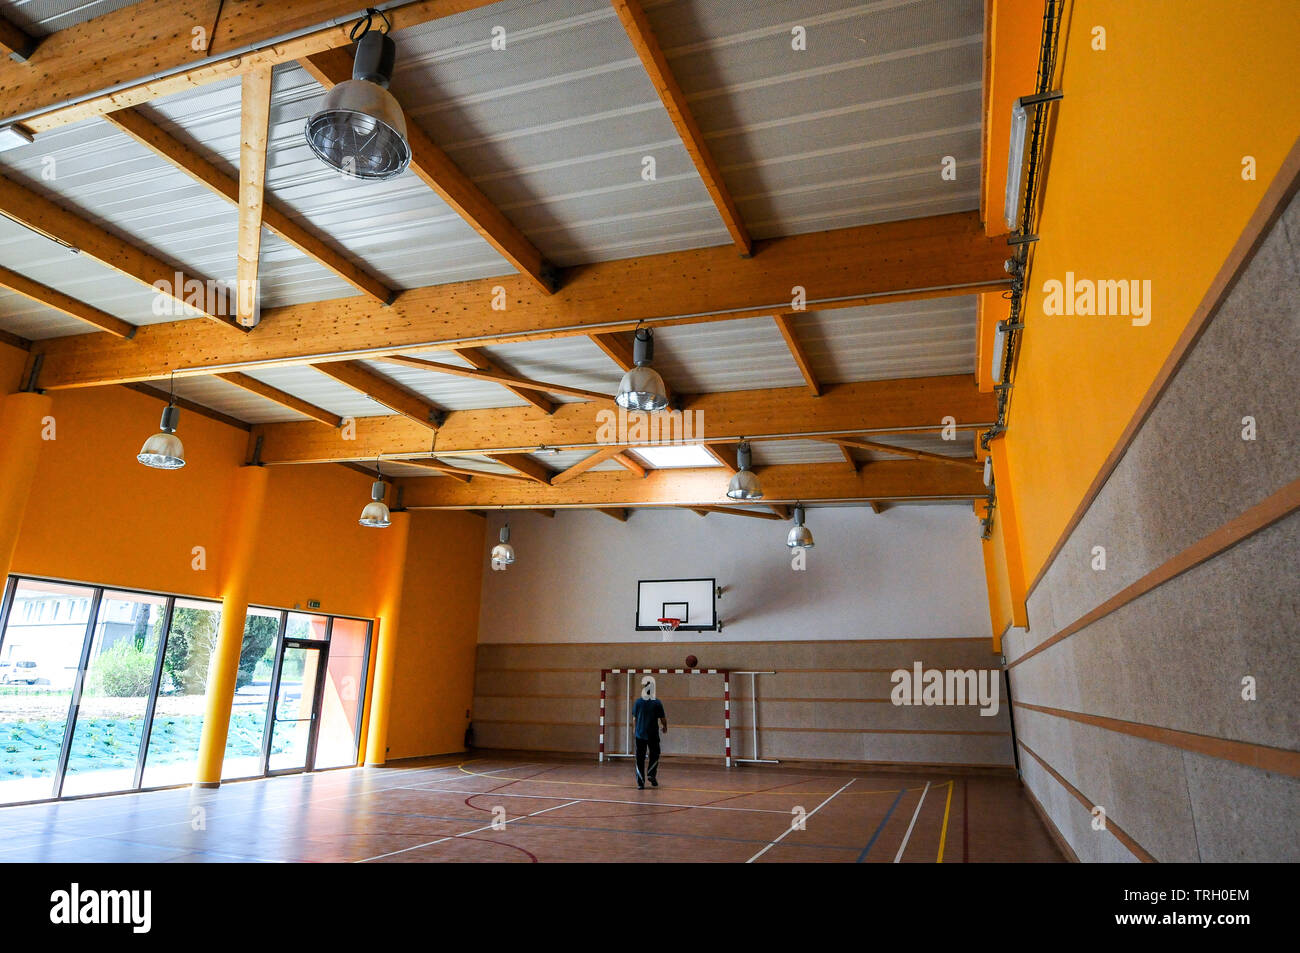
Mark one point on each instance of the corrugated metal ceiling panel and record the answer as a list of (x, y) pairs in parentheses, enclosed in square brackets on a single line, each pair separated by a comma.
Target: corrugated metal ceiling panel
[(231, 400), (445, 390), (108, 179), (314, 387), (924, 338), (399, 229), (572, 361), (80, 276), (767, 453), (43, 17), (744, 354), (850, 130), (554, 128)]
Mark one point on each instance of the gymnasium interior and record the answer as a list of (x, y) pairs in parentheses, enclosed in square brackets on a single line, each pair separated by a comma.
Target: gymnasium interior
[(395, 402)]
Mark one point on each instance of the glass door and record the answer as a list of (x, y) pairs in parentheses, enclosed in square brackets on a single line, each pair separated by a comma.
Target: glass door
[(295, 706)]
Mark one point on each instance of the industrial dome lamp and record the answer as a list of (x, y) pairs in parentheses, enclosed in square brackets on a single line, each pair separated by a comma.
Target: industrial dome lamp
[(744, 485), (642, 388), (164, 451), (503, 554), (360, 130), (800, 537), (376, 513)]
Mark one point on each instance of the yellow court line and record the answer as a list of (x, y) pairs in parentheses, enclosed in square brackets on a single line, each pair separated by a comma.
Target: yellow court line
[(606, 784), (943, 834)]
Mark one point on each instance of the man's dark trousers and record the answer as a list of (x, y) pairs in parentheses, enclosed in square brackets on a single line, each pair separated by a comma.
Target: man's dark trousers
[(644, 746)]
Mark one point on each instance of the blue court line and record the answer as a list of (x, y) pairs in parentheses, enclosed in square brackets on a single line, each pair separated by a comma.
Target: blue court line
[(866, 850)]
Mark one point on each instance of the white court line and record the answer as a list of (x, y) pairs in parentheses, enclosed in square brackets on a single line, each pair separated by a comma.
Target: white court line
[(791, 827), (601, 800), (908, 836), (477, 830)]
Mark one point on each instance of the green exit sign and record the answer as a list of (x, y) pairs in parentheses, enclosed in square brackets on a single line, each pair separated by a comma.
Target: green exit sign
[(313, 603)]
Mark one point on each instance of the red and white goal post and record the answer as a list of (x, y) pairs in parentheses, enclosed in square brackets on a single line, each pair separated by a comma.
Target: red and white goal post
[(630, 672)]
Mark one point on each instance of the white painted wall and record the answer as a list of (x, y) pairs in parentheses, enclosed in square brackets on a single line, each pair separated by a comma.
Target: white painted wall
[(910, 572)]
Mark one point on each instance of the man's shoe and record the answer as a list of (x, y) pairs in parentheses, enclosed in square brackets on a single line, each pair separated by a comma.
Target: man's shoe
[(654, 782), (640, 787)]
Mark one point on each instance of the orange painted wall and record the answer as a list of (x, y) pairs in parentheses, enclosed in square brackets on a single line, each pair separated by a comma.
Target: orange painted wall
[(96, 515), (313, 547), (433, 685), (1144, 182), (12, 360)]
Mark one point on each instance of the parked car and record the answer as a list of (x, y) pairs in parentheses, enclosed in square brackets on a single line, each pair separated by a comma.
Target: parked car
[(23, 670)]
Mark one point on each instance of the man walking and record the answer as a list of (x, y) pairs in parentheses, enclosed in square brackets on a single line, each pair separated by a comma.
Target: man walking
[(648, 713)]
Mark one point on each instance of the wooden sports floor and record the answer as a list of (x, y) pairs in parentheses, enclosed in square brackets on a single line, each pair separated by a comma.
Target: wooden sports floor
[(545, 810)]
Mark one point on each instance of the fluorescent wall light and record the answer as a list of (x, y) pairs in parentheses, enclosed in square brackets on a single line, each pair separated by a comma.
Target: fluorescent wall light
[(1016, 154), (999, 352), (1015, 164)]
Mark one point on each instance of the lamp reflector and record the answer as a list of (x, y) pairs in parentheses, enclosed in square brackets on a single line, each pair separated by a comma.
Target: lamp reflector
[(360, 130)]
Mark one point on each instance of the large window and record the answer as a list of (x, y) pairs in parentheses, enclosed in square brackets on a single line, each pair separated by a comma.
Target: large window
[(40, 654), (177, 723), (104, 690), (115, 693)]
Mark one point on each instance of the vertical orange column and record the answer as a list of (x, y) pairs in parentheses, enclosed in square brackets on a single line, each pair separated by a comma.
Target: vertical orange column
[(21, 422), (390, 582), (1011, 535), (236, 569)]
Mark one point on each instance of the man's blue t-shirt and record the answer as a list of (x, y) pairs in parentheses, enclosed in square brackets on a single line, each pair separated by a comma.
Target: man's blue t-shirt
[(647, 713)]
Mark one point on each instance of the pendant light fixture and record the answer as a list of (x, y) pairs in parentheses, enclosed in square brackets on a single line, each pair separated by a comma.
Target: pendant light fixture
[(376, 512), (800, 537), (164, 451), (744, 485), (360, 130), (642, 388), (503, 554)]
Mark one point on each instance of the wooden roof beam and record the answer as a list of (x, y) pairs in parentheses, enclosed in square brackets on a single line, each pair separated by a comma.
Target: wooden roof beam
[(888, 262), (44, 217), (190, 161), (627, 462), (50, 298), (145, 50), (785, 324), (776, 413), (656, 66), (905, 452), (274, 394), (387, 392), (849, 458), (254, 126), (738, 511), (495, 375), (585, 464), (724, 453), (436, 169), (459, 474), (478, 358), (15, 43), (619, 513), (702, 489), (526, 466)]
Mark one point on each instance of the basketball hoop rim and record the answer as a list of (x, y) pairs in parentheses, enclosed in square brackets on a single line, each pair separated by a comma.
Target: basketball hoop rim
[(669, 624)]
